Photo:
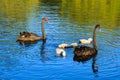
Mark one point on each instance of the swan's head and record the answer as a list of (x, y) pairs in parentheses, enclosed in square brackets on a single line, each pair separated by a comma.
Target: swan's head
[(45, 19), (97, 27)]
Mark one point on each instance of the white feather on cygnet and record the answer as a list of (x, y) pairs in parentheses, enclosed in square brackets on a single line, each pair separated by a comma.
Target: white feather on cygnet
[(84, 41), (73, 44), (63, 54), (60, 52), (63, 45)]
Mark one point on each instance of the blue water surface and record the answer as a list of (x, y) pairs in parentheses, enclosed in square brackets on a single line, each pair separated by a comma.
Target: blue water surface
[(38, 61)]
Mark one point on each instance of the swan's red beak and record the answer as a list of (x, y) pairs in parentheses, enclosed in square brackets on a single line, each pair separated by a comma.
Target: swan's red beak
[(46, 19)]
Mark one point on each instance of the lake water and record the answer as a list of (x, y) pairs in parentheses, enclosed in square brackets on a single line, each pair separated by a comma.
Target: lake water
[(68, 22)]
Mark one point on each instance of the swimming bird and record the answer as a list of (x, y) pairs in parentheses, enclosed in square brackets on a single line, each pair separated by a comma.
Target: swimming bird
[(73, 44), (84, 41), (29, 36), (63, 45), (60, 52), (83, 51)]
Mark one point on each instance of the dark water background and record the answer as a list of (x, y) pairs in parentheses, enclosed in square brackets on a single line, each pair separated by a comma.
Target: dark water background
[(69, 22)]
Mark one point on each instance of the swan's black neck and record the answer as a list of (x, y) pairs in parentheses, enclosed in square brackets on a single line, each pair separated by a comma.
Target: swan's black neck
[(94, 40), (43, 31)]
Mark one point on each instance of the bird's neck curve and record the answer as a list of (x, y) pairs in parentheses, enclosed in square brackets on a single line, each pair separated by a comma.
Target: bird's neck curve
[(43, 31), (94, 40)]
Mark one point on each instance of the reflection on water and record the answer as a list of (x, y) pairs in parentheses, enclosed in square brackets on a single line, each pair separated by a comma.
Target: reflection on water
[(69, 22), (83, 59), (27, 42), (43, 54), (105, 12)]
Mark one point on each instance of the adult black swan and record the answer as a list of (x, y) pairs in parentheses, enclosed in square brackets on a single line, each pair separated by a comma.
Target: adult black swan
[(29, 36), (85, 51)]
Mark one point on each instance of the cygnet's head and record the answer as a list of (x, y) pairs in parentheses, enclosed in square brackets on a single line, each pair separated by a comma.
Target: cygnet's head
[(90, 39), (60, 52)]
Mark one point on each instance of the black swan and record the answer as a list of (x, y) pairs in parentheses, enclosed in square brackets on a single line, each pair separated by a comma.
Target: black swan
[(29, 36), (85, 51)]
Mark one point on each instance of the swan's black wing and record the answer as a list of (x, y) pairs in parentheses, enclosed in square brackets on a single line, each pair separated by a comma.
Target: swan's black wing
[(28, 36), (81, 58), (84, 51)]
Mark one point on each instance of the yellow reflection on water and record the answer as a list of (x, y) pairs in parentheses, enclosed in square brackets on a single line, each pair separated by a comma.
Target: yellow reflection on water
[(17, 9), (84, 12), (89, 12)]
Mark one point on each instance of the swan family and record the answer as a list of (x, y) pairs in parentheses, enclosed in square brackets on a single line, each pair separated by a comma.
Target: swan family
[(79, 51), (83, 51)]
